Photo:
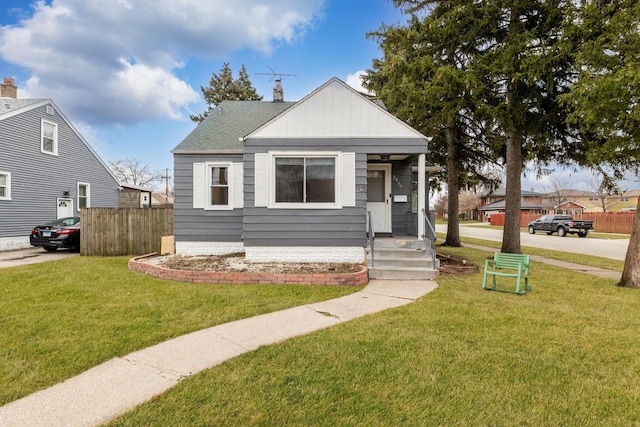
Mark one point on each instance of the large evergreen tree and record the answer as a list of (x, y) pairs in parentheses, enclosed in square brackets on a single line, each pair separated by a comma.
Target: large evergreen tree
[(605, 100), (223, 87), (489, 70), (525, 68), (424, 79)]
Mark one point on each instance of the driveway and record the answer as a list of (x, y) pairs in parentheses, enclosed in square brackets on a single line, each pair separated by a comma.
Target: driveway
[(608, 248), (32, 256)]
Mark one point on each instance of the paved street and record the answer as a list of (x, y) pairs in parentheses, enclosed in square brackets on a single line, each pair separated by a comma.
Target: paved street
[(614, 248), (32, 256)]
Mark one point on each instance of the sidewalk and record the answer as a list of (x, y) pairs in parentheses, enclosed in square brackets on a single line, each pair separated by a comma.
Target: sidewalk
[(579, 268), (119, 385)]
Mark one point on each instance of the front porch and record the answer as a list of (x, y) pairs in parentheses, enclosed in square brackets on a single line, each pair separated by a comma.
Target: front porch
[(398, 194), (402, 258)]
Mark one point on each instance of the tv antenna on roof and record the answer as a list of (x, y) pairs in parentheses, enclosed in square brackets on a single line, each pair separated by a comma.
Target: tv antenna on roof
[(277, 76)]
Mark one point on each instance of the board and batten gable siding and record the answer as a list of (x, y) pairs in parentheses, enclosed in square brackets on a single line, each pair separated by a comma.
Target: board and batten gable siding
[(196, 224), (336, 111), (38, 179)]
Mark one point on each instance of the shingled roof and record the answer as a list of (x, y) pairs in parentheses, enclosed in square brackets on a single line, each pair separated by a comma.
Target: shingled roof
[(222, 129)]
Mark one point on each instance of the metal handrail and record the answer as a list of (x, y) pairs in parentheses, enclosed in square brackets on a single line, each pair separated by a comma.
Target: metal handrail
[(371, 237), (432, 241)]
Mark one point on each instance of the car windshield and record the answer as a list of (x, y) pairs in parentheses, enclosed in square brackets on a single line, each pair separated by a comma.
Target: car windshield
[(64, 221), (542, 218)]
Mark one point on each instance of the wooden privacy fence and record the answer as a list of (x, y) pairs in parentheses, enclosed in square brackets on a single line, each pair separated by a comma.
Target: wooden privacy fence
[(124, 231), (603, 222)]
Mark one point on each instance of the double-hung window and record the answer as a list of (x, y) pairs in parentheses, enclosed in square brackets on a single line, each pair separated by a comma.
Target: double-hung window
[(219, 186), (5, 186), (49, 136), (308, 179), (84, 195)]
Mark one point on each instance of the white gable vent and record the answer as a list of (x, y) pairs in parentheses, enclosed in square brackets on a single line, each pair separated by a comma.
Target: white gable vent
[(49, 109)]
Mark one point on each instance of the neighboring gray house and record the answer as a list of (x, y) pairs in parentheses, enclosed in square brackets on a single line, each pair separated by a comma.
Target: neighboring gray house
[(47, 169), (293, 181)]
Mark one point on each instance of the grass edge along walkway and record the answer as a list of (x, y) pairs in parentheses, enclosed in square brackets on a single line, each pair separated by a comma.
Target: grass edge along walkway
[(579, 268), (114, 387)]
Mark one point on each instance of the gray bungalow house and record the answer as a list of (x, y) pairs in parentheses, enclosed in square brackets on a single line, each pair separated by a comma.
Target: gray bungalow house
[(47, 169), (294, 181)]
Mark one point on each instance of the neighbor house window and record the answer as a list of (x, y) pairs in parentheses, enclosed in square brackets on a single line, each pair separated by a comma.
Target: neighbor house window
[(305, 180), (49, 138), (5, 186), (83, 195)]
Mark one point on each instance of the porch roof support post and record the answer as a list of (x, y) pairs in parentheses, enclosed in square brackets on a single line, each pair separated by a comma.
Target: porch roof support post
[(421, 194)]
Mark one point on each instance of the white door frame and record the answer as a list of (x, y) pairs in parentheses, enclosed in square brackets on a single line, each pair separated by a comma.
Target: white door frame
[(64, 211), (381, 211)]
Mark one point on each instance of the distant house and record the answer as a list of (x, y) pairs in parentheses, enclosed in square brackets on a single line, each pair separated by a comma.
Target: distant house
[(591, 202), (294, 181), (159, 199), (530, 202), (47, 169), (134, 196)]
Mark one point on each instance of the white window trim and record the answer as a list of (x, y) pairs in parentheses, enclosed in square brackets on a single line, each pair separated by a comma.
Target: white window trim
[(8, 186), (230, 186), (272, 180), (86, 184), (55, 138)]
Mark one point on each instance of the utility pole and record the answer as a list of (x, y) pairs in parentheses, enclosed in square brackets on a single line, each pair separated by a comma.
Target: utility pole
[(166, 184)]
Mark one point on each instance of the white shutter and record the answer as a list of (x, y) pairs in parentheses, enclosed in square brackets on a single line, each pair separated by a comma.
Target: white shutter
[(199, 185), (238, 190), (348, 179), (261, 180)]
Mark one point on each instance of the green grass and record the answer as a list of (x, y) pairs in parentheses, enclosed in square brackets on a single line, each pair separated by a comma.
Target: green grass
[(593, 261), (564, 354), (61, 318)]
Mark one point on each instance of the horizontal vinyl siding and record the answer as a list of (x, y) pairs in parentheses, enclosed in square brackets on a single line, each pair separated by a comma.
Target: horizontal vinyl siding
[(199, 225), (304, 227), (37, 179)]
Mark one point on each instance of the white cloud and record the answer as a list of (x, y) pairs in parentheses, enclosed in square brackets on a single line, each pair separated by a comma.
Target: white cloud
[(120, 64), (355, 81)]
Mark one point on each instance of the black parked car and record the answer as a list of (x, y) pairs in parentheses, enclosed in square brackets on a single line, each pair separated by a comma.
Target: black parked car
[(61, 233)]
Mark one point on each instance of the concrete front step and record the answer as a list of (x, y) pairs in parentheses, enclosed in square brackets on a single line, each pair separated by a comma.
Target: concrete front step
[(399, 253), (403, 273), (402, 262)]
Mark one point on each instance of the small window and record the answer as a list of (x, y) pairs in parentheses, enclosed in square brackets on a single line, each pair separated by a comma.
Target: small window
[(5, 186), (49, 138), (49, 110), (84, 195), (624, 199), (219, 184)]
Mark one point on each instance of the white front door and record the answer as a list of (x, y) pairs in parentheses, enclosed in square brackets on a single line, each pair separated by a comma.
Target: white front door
[(378, 196), (65, 208)]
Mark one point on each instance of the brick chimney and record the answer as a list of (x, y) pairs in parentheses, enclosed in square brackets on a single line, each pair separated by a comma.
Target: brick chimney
[(8, 89), (278, 93)]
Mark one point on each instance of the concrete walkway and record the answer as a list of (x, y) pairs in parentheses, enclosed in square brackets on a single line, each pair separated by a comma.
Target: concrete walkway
[(579, 268), (119, 385)]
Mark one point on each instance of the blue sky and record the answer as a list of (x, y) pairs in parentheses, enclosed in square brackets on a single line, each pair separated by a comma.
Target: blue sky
[(129, 75)]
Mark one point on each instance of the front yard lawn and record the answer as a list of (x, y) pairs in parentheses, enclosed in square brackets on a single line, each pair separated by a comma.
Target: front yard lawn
[(564, 354), (61, 318)]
